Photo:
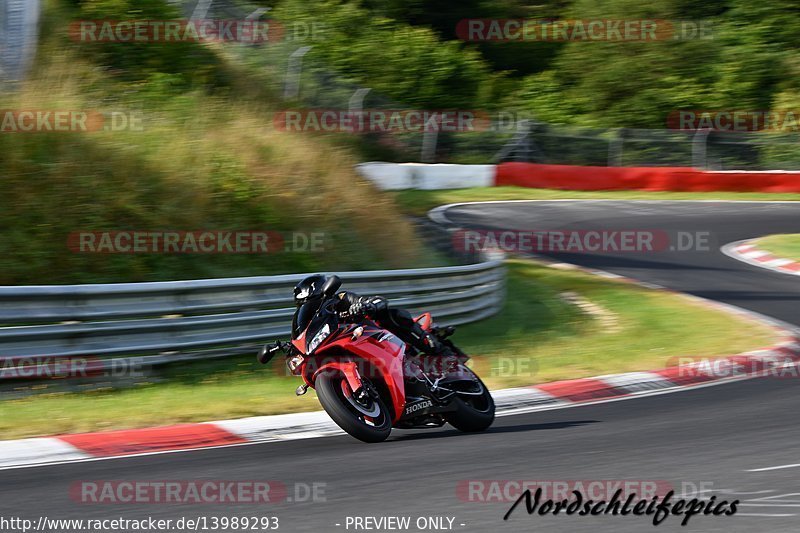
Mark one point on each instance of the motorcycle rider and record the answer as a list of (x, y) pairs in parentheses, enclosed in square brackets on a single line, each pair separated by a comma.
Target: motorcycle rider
[(376, 308)]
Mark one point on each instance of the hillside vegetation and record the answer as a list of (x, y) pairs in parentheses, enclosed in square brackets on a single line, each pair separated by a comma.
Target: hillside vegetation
[(207, 158)]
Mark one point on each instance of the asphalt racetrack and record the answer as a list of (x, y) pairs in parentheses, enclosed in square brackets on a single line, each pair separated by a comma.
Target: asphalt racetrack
[(734, 441)]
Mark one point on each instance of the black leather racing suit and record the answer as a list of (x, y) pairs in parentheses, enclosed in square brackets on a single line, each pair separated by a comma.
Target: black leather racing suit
[(396, 320)]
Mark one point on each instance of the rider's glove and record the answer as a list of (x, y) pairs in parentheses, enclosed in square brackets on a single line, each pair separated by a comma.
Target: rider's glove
[(363, 307)]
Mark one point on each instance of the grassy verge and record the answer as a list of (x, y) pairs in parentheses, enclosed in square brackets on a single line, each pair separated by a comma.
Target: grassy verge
[(539, 336), (786, 246), (419, 202)]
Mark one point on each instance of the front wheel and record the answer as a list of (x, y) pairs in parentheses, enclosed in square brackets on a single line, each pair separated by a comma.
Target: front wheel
[(474, 412), (366, 419)]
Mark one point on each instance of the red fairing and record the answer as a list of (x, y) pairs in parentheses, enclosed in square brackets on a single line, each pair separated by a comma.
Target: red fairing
[(382, 350), (300, 343), (348, 368)]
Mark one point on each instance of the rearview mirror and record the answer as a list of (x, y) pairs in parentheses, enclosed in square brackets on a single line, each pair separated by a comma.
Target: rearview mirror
[(331, 285)]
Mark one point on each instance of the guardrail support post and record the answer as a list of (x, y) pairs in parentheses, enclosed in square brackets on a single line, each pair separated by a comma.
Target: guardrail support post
[(291, 87), (429, 140), (700, 149), (356, 103), (201, 9), (615, 149)]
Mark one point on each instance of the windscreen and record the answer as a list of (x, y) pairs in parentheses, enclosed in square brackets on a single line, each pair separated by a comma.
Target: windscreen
[(303, 315)]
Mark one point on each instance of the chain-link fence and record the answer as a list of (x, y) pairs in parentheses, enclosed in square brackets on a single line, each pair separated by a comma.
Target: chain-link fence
[(705, 149), (303, 82), (502, 136)]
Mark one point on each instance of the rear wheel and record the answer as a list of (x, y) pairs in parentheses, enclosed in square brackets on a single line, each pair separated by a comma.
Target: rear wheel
[(366, 418), (474, 412)]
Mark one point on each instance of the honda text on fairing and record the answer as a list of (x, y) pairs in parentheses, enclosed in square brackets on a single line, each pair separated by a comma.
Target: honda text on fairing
[(368, 380)]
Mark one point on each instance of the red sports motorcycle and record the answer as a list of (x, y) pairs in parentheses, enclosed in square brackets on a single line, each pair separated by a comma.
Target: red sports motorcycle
[(369, 381)]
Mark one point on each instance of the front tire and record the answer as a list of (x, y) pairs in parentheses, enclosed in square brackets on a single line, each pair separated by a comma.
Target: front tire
[(368, 422), (473, 413)]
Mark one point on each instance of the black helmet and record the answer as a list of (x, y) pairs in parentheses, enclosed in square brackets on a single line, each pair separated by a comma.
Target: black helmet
[(309, 289)]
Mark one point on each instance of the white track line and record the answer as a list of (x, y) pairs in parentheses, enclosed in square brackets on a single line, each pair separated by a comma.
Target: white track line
[(776, 515), (768, 505), (781, 467)]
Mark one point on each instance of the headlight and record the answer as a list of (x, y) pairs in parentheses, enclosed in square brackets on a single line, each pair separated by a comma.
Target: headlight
[(321, 335)]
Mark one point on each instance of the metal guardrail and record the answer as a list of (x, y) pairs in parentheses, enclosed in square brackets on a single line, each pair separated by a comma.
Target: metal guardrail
[(164, 322)]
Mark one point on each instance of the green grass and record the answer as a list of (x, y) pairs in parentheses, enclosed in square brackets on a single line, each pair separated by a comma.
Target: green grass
[(420, 202), (537, 337), (559, 341), (786, 245)]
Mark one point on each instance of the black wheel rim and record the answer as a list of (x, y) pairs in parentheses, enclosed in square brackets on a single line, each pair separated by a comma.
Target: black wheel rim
[(479, 402), (367, 410)]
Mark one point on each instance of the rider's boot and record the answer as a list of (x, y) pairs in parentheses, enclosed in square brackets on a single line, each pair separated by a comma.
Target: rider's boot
[(430, 343)]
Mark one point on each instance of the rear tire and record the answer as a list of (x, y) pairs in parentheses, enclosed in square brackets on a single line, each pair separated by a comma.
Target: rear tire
[(473, 413), (332, 390)]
